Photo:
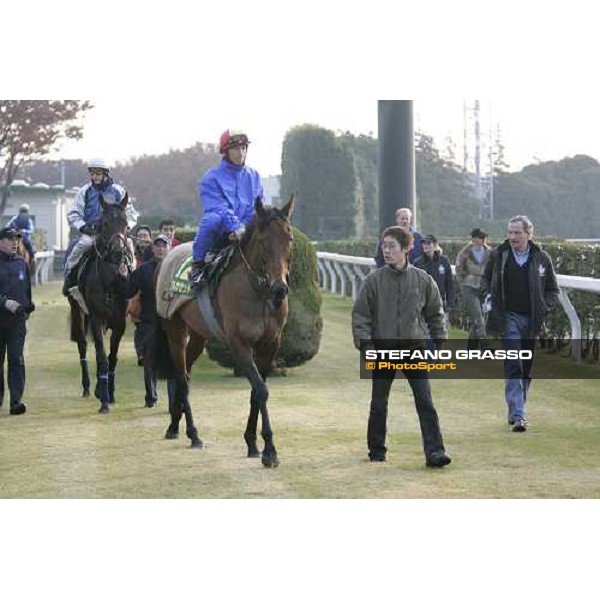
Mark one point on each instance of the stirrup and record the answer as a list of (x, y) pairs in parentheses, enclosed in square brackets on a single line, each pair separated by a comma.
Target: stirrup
[(76, 294)]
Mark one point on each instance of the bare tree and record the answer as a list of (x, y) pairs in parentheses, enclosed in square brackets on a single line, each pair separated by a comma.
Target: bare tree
[(30, 128)]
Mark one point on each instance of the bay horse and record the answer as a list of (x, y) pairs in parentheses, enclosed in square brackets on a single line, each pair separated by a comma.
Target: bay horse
[(251, 308), (22, 251), (104, 290)]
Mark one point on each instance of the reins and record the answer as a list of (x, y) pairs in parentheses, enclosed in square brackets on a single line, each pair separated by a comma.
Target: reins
[(260, 282)]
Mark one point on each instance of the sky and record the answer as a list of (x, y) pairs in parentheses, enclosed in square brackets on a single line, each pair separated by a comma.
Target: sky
[(531, 129)]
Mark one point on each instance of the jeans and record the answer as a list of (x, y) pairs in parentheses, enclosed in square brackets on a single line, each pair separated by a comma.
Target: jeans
[(428, 418), (472, 303), (517, 336)]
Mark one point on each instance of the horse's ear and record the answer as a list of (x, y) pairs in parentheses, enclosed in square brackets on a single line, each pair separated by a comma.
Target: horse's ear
[(102, 202), (259, 207), (288, 209), (125, 200)]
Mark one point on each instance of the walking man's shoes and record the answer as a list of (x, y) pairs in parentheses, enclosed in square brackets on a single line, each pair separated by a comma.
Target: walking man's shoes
[(377, 457), (18, 409), (519, 425), (438, 460)]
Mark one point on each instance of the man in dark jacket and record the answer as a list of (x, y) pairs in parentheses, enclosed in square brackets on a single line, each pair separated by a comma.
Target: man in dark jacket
[(404, 219), (142, 280), (433, 262), (520, 285), (15, 307), (400, 303)]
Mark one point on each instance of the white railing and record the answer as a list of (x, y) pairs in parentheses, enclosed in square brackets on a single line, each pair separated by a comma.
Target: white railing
[(44, 265), (338, 273)]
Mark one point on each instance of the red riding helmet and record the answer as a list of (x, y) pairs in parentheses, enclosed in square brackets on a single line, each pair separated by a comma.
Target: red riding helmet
[(232, 138)]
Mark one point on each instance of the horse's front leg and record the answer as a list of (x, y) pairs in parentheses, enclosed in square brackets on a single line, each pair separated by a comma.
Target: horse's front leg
[(78, 334), (258, 403), (113, 359), (101, 365)]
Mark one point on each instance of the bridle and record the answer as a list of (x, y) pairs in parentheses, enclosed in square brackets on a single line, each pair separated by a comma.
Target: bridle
[(261, 282), (116, 245)]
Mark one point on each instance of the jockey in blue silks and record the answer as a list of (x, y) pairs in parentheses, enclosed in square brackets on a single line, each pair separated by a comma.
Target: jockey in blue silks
[(85, 212), (227, 194), (24, 224)]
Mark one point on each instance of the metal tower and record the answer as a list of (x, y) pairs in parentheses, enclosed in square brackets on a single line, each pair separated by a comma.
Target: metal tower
[(480, 146)]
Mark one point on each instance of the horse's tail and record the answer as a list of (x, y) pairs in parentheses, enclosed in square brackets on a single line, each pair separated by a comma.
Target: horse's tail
[(161, 355)]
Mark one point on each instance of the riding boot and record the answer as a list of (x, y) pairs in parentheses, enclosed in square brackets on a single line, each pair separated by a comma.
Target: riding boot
[(196, 273), (70, 281)]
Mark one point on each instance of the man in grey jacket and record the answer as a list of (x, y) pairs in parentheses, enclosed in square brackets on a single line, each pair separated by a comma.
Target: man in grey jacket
[(470, 265), (400, 304)]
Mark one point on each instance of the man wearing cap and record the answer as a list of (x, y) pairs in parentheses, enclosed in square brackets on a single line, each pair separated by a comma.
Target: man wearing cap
[(142, 280), (432, 261), (24, 224), (470, 266), (15, 308), (227, 195)]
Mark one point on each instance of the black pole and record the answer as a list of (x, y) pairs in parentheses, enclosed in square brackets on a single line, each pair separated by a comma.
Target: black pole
[(396, 159)]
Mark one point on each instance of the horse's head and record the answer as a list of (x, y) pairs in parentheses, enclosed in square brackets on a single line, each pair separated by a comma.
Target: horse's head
[(113, 229), (272, 234)]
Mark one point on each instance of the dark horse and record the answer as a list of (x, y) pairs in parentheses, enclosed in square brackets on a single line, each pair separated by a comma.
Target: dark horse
[(251, 308), (103, 290)]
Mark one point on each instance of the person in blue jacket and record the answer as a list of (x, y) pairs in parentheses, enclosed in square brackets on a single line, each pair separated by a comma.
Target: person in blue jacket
[(227, 194), (24, 224), (15, 307), (84, 214)]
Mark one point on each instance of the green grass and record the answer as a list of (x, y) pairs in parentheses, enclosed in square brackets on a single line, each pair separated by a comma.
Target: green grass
[(63, 449)]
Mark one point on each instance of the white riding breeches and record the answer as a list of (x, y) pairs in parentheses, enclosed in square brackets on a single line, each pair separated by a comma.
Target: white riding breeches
[(83, 243)]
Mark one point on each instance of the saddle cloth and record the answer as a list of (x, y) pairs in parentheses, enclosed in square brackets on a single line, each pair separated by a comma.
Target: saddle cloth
[(173, 288)]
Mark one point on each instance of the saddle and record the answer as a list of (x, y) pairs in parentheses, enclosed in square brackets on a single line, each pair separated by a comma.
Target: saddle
[(175, 289)]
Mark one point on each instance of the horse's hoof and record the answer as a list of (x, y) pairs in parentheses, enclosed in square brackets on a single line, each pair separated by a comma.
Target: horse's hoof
[(270, 461), (197, 443), (111, 400), (86, 394), (103, 410), (253, 454), (171, 435)]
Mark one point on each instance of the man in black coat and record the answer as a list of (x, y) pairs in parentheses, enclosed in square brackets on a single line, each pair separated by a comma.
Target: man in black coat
[(142, 280), (432, 261), (521, 288), (15, 308)]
